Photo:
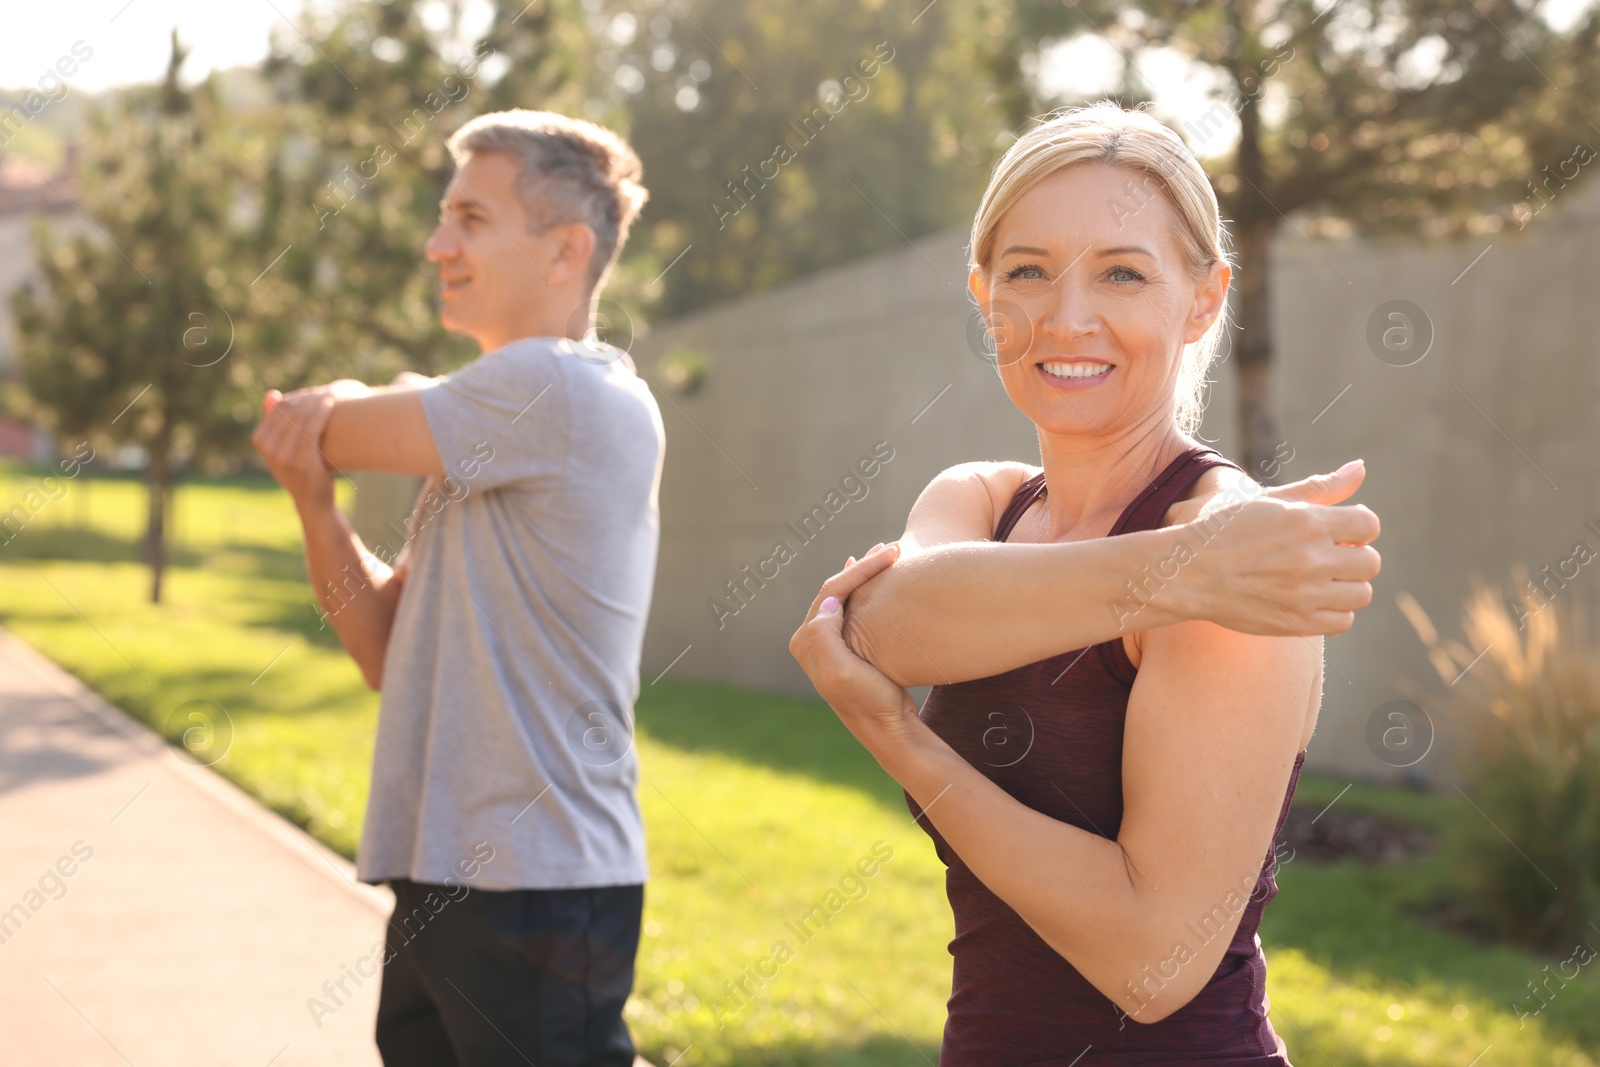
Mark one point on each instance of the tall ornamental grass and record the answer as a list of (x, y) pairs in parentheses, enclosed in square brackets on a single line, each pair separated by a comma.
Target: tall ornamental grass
[(1521, 713)]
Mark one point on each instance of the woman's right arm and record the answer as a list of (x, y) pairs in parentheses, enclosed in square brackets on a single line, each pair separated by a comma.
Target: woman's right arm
[(957, 606)]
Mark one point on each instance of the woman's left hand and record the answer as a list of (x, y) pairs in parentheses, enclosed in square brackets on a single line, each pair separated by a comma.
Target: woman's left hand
[(872, 706)]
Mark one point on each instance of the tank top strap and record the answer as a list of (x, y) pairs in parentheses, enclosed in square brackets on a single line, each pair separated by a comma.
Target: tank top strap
[(1021, 501), (1145, 510), (1145, 513)]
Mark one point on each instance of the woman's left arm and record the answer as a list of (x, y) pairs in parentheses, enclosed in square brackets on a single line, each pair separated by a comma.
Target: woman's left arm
[(1207, 755)]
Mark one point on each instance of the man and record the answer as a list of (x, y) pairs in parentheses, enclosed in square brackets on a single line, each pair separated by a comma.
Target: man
[(506, 639)]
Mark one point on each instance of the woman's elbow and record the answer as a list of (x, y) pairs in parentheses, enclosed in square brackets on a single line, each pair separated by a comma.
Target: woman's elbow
[(1151, 991), (1146, 983), (889, 650), (1151, 1010), (868, 637), (881, 626)]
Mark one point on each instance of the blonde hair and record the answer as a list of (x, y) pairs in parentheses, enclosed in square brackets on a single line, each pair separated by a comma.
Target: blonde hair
[(1110, 134), (572, 171)]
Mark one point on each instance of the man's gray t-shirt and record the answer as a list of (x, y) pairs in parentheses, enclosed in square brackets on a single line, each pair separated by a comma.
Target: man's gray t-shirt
[(508, 686)]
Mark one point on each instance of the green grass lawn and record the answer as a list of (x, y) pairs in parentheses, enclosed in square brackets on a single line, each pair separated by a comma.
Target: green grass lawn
[(756, 806)]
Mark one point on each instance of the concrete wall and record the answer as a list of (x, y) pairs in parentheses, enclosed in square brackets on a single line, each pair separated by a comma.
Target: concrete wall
[(805, 380), (1482, 455)]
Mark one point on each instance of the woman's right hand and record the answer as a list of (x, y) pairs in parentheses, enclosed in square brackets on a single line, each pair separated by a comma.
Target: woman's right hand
[(1289, 562), (866, 700)]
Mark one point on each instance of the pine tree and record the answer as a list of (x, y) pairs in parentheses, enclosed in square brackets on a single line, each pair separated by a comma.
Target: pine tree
[(133, 338)]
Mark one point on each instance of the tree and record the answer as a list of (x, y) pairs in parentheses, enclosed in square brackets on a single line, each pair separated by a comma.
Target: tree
[(1374, 116), (785, 136), (133, 338), (374, 90), (370, 94)]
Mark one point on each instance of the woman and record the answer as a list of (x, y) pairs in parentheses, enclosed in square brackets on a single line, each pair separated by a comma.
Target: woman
[(1106, 811)]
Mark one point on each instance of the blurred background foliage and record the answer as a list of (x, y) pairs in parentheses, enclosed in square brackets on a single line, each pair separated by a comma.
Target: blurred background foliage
[(777, 138)]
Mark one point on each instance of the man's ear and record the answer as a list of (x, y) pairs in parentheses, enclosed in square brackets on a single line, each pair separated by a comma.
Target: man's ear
[(574, 248)]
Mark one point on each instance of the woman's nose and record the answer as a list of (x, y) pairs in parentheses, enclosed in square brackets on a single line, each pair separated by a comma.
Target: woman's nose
[(1070, 314)]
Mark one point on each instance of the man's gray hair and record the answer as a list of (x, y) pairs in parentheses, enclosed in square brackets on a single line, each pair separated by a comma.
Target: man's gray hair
[(572, 171)]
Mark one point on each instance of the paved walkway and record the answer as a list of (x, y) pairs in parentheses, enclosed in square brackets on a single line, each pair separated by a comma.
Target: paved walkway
[(151, 914)]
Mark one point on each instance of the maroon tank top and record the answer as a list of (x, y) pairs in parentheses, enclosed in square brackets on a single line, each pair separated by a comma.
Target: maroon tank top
[(1014, 1001)]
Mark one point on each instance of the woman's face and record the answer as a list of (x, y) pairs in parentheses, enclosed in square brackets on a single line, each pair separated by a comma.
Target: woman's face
[(1090, 301)]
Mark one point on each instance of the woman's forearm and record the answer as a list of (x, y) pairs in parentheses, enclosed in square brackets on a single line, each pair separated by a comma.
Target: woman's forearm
[(1077, 890), (1115, 909), (969, 610)]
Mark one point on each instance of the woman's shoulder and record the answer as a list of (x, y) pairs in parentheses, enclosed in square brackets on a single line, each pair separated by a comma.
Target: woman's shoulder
[(1002, 473), (1217, 486), (963, 503), (999, 479)]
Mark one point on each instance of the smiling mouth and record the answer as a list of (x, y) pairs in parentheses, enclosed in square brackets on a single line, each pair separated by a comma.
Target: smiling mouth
[(447, 285), (1083, 371)]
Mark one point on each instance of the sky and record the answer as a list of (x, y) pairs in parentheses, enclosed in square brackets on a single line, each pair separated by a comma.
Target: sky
[(127, 42), (129, 38)]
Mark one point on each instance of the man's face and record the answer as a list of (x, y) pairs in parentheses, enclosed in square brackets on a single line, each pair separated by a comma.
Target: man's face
[(492, 269)]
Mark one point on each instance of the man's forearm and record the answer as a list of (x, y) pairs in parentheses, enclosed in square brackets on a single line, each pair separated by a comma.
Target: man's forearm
[(963, 611), (384, 430), (358, 592)]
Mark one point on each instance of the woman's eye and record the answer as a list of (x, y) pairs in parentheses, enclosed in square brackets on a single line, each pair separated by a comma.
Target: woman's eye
[(1126, 275), (1028, 272)]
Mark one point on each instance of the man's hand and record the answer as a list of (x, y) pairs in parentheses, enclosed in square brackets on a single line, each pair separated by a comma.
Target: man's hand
[(1288, 562), (288, 440)]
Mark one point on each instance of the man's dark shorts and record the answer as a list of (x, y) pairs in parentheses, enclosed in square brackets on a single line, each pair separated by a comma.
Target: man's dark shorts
[(484, 978)]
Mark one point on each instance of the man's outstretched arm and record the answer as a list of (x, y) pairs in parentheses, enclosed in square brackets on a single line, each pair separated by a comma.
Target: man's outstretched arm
[(956, 605), (358, 593), (371, 428)]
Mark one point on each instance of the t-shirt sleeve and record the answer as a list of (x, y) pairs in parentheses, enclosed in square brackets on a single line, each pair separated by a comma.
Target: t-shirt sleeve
[(502, 419)]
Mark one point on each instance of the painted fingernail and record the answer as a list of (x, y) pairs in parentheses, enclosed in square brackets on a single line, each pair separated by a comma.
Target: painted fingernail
[(829, 605)]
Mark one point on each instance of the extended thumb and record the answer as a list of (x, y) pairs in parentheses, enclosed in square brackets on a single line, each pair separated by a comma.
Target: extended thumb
[(1324, 488)]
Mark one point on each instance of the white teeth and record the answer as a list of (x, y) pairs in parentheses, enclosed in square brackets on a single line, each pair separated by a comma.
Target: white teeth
[(1076, 370)]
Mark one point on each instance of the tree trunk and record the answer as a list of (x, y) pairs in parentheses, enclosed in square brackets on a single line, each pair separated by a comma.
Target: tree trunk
[(158, 479), (1258, 431), (1256, 218)]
